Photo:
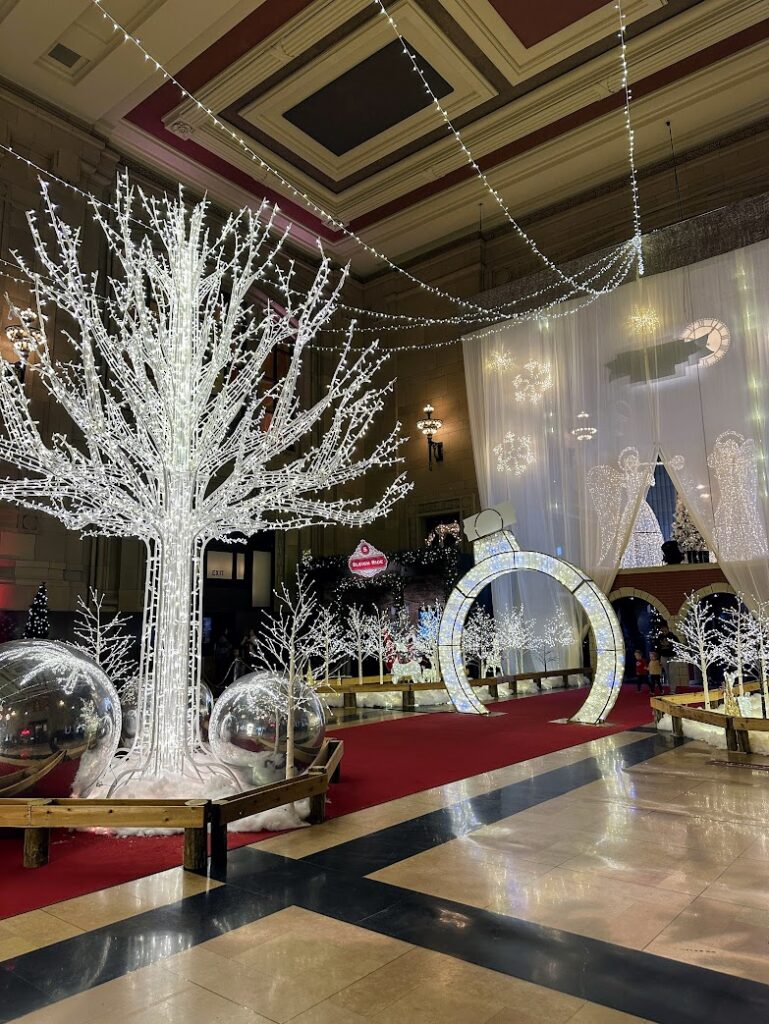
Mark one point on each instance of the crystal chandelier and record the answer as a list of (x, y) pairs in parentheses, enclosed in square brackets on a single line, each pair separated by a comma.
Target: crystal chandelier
[(582, 431)]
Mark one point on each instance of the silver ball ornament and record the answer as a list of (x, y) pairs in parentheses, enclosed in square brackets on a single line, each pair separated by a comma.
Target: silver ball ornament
[(54, 699), (248, 726)]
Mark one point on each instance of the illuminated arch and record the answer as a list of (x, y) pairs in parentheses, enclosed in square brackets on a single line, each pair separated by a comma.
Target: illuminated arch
[(496, 555), (719, 587), (643, 595)]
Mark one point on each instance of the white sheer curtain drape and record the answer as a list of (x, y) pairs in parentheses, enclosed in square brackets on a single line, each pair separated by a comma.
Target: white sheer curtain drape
[(675, 365)]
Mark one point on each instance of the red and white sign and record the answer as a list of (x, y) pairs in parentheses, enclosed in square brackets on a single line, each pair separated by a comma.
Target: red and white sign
[(367, 561)]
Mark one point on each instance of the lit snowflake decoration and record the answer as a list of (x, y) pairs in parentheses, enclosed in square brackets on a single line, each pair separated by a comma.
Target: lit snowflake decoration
[(515, 453), (644, 321), (500, 362), (533, 382)]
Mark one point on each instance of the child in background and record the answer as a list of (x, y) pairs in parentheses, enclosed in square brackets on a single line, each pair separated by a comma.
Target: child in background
[(655, 673), (641, 671)]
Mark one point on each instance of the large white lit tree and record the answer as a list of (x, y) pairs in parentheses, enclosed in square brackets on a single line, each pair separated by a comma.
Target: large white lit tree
[(177, 436)]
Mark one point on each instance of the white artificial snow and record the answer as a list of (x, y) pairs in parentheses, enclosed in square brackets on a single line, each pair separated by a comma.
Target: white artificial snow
[(208, 787), (714, 735)]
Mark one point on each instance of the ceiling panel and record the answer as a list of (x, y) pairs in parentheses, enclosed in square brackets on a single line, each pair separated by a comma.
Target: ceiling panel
[(376, 94), (534, 22)]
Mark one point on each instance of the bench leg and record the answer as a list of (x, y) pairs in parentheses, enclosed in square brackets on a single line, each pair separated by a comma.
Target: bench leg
[(678, 726), (317, 809), (494, 691), (408, 700), (219, 847), (350, 700), (196, 849), (731, 737), (36, 845), (743, 740)]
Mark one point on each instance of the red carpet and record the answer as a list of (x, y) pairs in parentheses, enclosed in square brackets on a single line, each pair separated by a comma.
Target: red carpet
[(382, 761)]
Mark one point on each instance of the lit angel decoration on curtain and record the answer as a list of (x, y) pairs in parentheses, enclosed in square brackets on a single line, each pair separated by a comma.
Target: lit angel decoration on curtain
[(615, 493), (645, 545), (739, 530), (178, 439)]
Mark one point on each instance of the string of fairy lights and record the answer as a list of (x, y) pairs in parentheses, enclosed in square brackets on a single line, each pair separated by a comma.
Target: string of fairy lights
[(483, 178), (591, 279), (620, 260), (324, 214)]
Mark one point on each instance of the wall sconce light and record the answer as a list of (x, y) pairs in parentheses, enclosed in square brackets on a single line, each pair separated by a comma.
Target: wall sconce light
[(25, 337), (431, 425)]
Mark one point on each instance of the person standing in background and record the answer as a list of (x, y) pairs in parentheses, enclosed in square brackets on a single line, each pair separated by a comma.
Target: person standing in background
[(641, 671), (666, 653), (655, 673)]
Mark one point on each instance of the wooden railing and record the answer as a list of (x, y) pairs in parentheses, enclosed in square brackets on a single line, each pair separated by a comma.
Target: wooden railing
[(349, 689), (38, 815), (736, 727)]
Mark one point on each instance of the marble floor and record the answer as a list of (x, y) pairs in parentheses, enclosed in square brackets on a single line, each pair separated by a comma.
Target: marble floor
[(621, 880)]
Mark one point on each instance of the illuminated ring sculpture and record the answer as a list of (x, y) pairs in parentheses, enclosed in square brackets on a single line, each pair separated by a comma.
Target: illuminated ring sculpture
[(496, 555)]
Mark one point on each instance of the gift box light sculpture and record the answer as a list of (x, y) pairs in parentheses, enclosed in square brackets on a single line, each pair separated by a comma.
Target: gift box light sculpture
[(496, 554), (183, 439)]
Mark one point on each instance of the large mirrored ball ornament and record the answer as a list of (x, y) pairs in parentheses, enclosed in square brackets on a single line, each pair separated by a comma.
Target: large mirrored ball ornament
[(205, 709), (129, 704), (248, 726), (59, 720)]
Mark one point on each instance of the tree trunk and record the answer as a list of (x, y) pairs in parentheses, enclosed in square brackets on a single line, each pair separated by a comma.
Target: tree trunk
[(704, 673), (169, 678)]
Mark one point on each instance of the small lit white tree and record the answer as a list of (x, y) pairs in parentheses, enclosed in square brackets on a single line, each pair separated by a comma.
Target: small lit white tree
[(178, 438), (760, 639), (515, 634), (737, 631), (288, 641), (479, 639), (377, 637), (555, 633), (698, 642), (358, 636), (333, 647), (426, 639), (104, 638)]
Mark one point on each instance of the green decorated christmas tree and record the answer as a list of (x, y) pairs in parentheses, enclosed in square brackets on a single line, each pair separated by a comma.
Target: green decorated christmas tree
[(37, 618)]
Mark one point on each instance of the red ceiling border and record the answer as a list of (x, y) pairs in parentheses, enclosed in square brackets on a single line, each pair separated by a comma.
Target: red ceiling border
[(269, 17)]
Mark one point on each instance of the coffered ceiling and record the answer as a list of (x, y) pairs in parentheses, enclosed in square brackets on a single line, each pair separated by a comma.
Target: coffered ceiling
[(323, 93)]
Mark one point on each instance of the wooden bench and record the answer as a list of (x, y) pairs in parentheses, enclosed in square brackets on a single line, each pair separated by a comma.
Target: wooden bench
[(737, 728), (37, 816), (324, 770), (350, 689)]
